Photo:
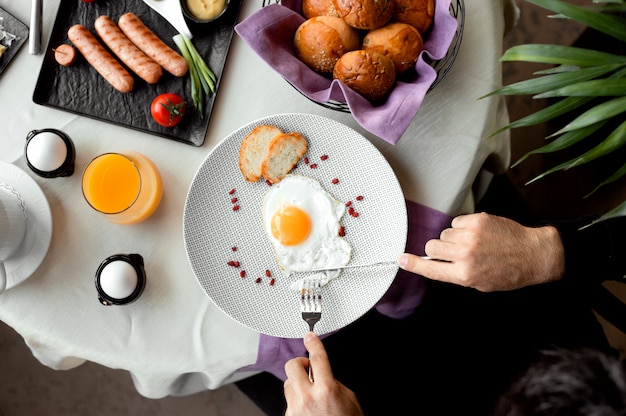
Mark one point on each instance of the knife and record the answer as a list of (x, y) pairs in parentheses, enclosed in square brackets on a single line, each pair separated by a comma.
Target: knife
[(352, 266), (34, 42)]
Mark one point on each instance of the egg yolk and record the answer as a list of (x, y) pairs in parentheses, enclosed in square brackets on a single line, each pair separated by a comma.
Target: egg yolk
[(291, 225)]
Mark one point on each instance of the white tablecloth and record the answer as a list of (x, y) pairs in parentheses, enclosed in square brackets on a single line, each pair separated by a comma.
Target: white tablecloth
[(174, 340)]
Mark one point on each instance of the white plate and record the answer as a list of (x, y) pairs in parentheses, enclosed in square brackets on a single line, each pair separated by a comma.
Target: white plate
[(211, 228), (38, 227)]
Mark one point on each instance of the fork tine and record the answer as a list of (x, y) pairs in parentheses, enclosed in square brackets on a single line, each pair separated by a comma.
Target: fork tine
[(311, 302)]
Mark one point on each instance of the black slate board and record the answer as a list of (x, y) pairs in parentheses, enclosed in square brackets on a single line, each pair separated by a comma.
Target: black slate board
[(80, 89), (17, 28)]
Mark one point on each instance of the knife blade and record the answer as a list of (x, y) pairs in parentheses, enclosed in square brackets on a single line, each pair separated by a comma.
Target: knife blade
[(352, 266)]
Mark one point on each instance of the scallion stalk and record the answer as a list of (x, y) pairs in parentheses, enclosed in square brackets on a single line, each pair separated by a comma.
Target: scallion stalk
[(201, 76)]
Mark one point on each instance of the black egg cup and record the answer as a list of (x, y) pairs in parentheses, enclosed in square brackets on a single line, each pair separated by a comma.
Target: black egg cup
[(66, 168), (136, 261)]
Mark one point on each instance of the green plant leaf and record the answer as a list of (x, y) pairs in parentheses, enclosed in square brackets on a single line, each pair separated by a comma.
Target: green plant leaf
[(566, 140), (560, 55), (557, 70), (598, 113), (555, 82), (619, 174), (618, 211), (612, 25), (614, 141), (546, 114), (594, 88)]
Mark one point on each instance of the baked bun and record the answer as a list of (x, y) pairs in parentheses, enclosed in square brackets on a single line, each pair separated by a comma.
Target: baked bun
[(417, 13), (399, 41), (254, 150), (367, 72), (285, 151), (314, 8), (365, 14), (320, 41)]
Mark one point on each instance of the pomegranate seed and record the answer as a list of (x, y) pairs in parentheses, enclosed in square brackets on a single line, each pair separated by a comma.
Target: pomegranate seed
[(306, 160), (354, 214), (359, 198), (272, 282), (335, 181), (233, 200), (232, 191), (233, 263), (342, 231), (323, 157), (313, 165), (268, 183), (242, 273), (348, 203), (236, 208), (350, 210), (268, 273), (234, 248), (258, 280)]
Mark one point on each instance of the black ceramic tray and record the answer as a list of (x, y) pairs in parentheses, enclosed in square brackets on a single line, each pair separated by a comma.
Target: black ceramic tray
[(17, 28), (80, 89)]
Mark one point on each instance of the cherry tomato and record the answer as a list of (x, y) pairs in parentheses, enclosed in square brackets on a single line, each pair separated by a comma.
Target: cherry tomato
[(168, 109)]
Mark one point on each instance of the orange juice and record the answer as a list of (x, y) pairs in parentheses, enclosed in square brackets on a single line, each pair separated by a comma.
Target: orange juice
[(125, 188)]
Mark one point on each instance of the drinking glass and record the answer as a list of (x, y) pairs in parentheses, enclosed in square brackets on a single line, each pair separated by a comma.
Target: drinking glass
[(124, 188)]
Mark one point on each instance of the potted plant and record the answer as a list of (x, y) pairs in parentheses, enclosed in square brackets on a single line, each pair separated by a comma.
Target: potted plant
[(587, 87)]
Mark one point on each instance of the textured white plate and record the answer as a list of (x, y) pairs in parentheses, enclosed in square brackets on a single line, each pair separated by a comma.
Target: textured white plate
[(38, 227), (211, 229)]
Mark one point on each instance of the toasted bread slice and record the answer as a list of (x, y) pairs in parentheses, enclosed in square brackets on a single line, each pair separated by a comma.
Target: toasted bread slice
[(285, 151), (255, 149)]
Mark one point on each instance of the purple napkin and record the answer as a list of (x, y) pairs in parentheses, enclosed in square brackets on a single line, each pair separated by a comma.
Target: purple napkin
[(403, 297), (270, 31)]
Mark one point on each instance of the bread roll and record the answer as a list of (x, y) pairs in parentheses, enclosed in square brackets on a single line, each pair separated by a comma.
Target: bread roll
[(399, 41), (367, 72), (365, 14), (320, 41), (417, 13), (314, 8)]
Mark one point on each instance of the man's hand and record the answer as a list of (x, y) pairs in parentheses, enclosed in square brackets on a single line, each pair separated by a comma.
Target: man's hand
[(325, 395), (490, 253)]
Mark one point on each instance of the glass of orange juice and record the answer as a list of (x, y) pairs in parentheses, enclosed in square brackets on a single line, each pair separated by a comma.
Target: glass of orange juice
[(125, 188)]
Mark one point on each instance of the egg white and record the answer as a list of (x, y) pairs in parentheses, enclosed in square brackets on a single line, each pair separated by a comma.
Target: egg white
[(324, 247)]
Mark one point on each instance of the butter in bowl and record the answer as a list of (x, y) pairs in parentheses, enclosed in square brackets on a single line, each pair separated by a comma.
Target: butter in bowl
[(204, 11)]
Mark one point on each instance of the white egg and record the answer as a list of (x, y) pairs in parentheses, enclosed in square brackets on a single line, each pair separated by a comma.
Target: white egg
[(302, 221), (119, 279), (46, 151)]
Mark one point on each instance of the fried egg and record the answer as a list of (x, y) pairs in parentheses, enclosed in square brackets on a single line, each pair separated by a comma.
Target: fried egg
[(302, 221)]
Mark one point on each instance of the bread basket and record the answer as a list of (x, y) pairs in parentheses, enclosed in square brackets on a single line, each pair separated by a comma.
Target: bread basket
[(270, 30), (441, 66)]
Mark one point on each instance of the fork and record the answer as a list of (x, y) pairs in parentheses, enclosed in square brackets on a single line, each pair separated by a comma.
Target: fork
[(311, 306), (311, 302)]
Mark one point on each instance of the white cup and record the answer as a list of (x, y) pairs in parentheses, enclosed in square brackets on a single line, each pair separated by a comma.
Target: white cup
[(13, 217)]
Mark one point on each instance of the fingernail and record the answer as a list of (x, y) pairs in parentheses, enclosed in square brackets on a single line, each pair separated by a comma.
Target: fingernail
[(308, 337), (403, 260)]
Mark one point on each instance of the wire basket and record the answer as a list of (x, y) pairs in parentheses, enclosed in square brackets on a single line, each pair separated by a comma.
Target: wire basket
[(441, 66)]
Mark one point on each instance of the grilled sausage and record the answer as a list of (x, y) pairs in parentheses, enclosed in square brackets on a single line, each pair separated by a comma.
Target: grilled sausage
[(100, 59), (65, 54), (151, 45), (126, 51)]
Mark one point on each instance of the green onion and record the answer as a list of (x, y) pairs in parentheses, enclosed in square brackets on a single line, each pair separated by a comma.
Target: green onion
[(201, 76)]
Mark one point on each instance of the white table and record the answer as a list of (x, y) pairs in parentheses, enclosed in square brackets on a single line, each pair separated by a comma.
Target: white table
[(174, 340)]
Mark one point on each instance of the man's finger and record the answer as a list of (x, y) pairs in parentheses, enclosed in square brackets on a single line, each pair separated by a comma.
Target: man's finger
[(318, 357)]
